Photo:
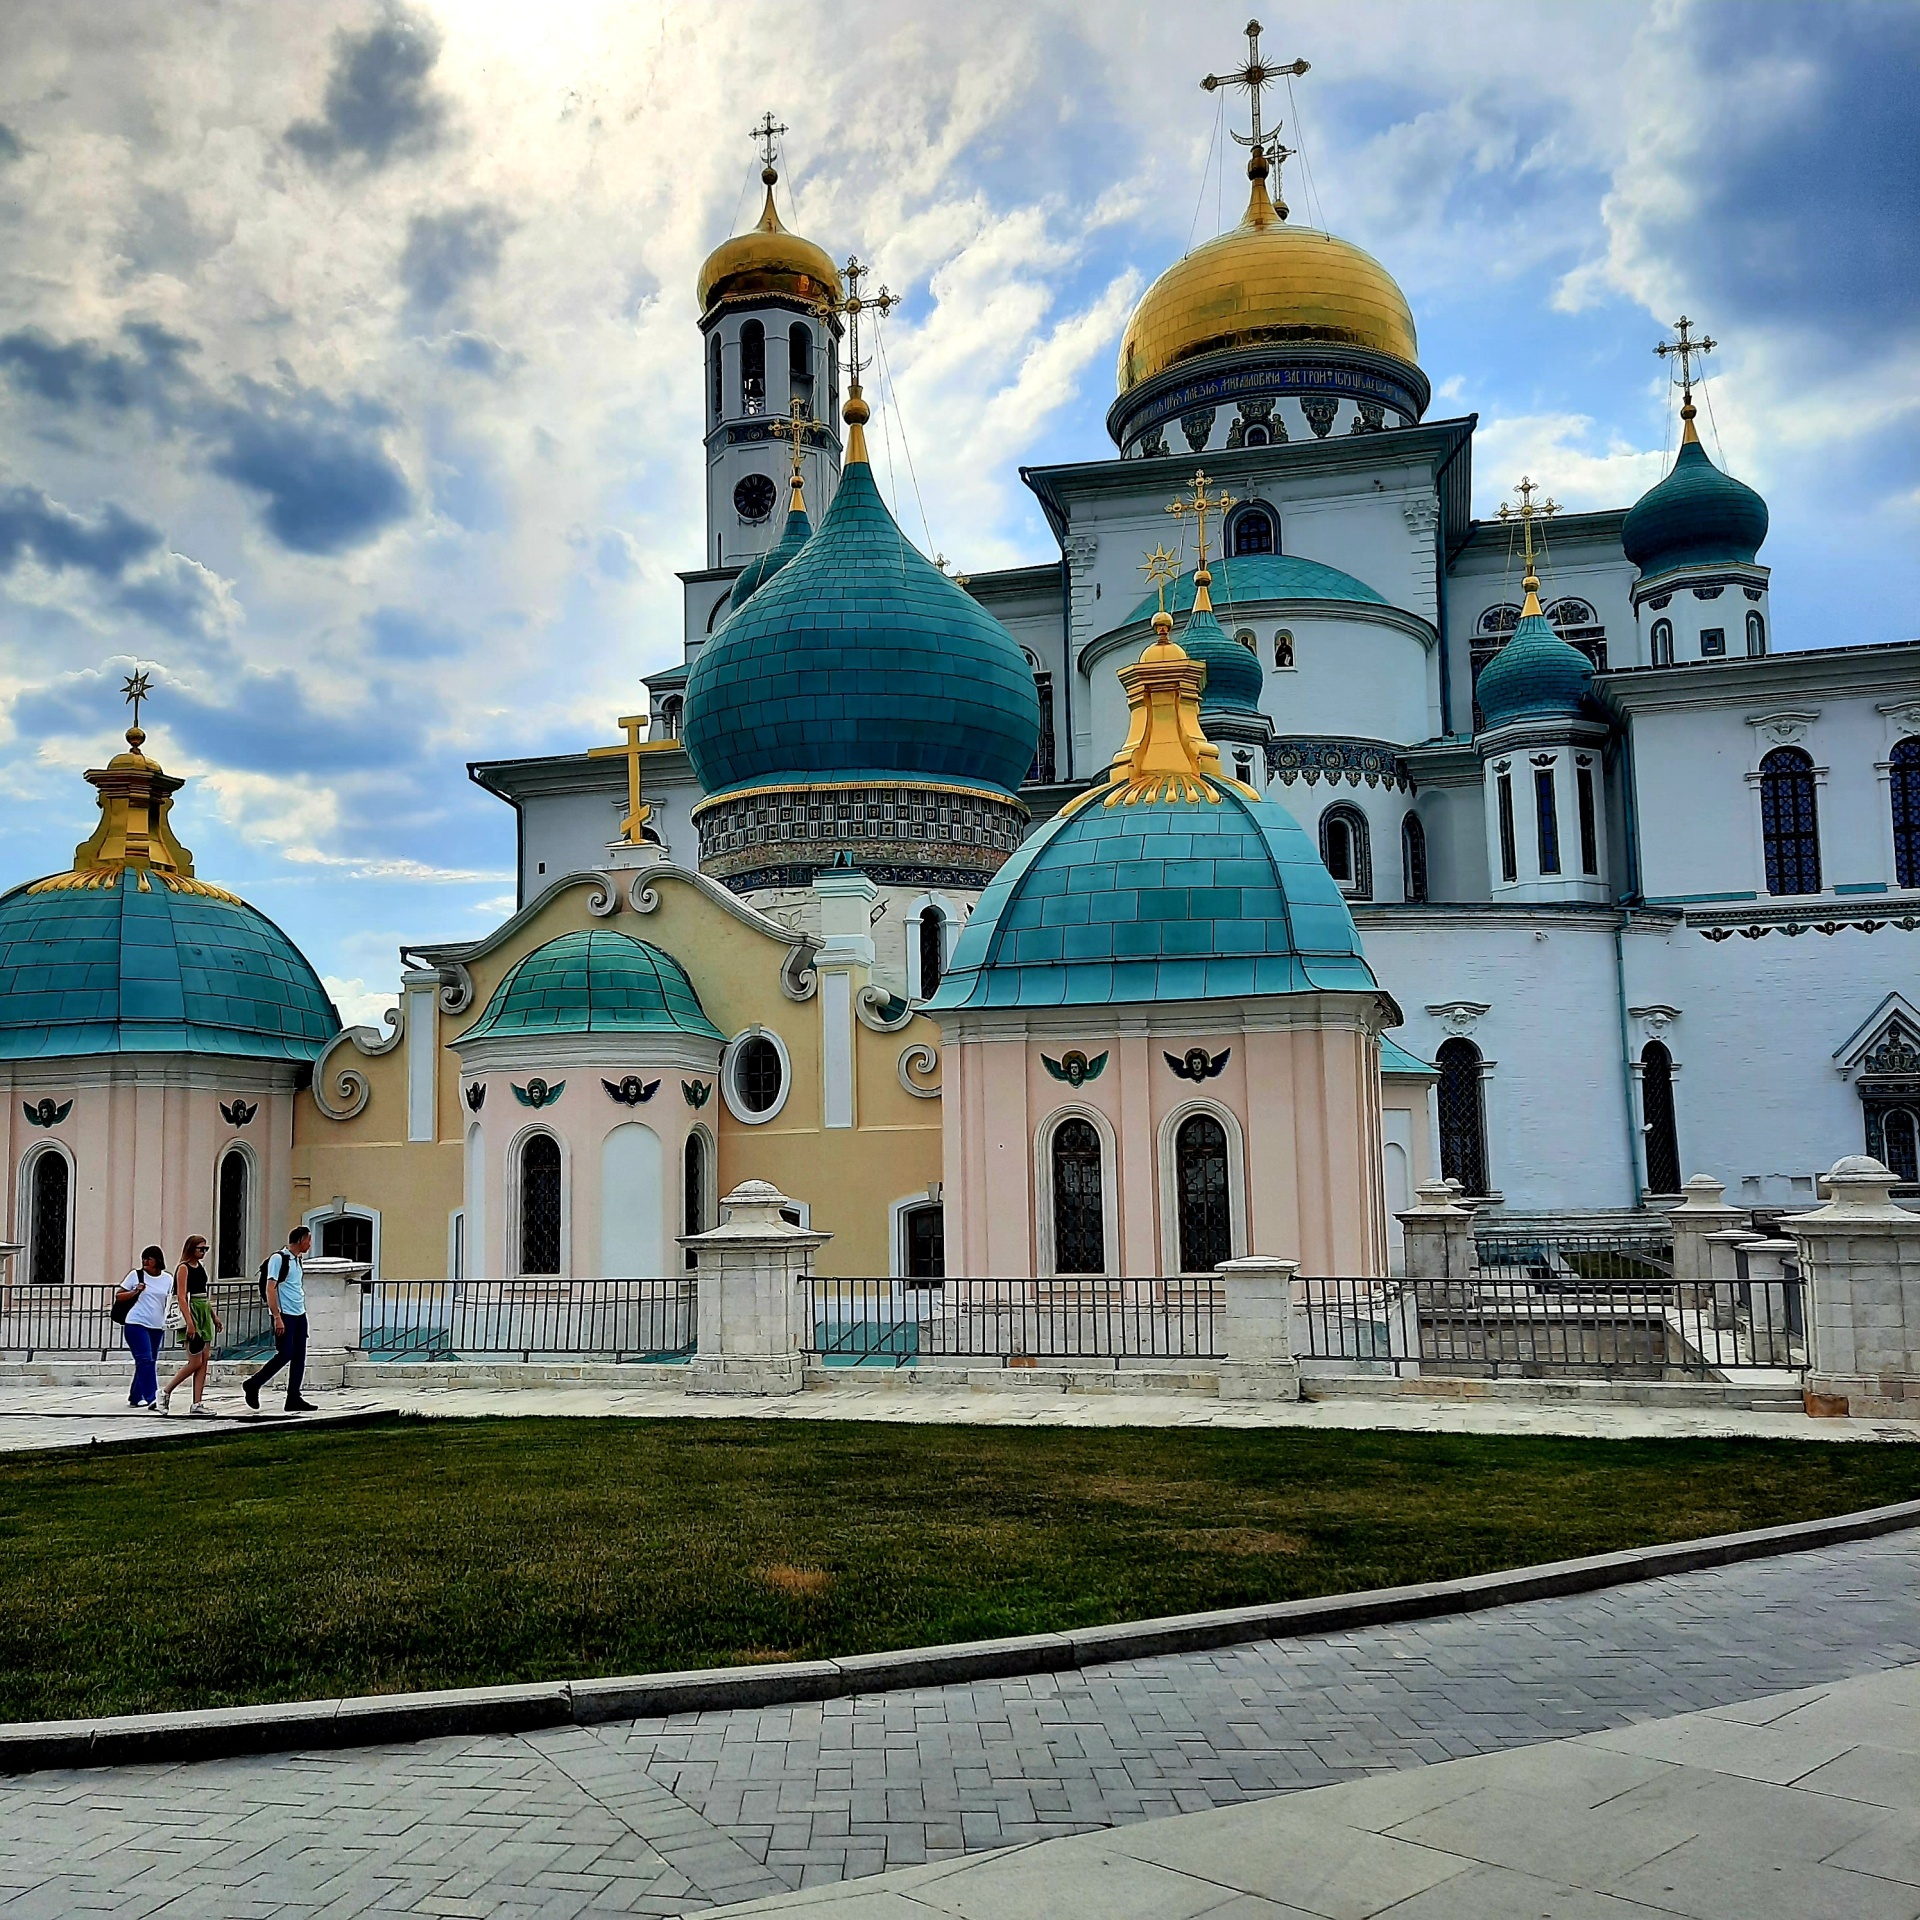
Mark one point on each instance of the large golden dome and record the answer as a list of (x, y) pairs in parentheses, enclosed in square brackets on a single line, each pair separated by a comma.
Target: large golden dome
[(767, 259), (1266, 283)]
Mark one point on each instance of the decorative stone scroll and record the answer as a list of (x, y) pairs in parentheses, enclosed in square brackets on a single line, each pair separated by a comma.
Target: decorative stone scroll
[(1333, 761)]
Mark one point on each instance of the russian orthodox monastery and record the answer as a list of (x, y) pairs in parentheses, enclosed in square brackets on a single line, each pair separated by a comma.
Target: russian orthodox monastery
[(1013, 930)]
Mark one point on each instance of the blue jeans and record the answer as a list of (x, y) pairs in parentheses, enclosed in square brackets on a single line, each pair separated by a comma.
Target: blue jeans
[(145, 1344), (289, 1351)]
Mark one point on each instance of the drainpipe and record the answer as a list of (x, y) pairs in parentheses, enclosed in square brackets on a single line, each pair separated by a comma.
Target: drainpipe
[(1626, 1053)]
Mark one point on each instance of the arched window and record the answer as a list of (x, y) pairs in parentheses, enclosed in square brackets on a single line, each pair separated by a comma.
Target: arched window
[(1663, 643), (1200, 1170), (1904, 785), (923, 1233), (1497, 622), (1079, 1223), (1900, 1144), (670, 718), (540, 1204), (693, 1201), (1345, 848), (49, 1191), (753, 368), (232, 1216), (1656, 1113), (1249, 640), (800, 364), (1413, 857), (1254, 530), (1790, 821), (933, 949), (1463, 1121), (348, 1236), (1756, 636), (714, 381)]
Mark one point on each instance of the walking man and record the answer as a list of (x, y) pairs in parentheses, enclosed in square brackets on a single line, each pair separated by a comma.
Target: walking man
[(287, 1301)]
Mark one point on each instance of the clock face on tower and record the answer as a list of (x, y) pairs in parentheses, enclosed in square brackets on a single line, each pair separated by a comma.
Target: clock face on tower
[(753, 498)]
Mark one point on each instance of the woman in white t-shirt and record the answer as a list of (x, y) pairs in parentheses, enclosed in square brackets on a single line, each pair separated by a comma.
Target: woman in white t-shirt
[(147, 1286)]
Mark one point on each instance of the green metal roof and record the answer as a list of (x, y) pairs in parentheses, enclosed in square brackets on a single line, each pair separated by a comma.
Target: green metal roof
[(1234, 675), (594, 982), (763, 566), (861, 654), (1394, 1058), (1696, 516), (90, 970), (1163, 900), (1260, 576), (1536, 675)]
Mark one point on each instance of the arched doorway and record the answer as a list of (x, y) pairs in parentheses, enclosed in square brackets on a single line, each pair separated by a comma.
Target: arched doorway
[(1201, 1182), (540, 1204), (232, 1216), (1079, 1221), (50, 1190), (1656, 1112)]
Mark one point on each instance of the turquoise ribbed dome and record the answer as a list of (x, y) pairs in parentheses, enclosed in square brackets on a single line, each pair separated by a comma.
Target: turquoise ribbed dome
[(97, 965), (1162, 900), (594, 982), (763, 566), (1696, 516), (1234, 678), (1536, 675), (860, 660), (1260, 576)]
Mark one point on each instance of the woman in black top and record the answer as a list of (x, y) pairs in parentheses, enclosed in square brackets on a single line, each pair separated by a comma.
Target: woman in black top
[(199, 1323)]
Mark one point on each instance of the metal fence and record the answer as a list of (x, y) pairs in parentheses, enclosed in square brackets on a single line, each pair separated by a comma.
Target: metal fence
[(1493, 1324), (903, 1323), (35, 1321), (1574, 1259), (465, 1319)]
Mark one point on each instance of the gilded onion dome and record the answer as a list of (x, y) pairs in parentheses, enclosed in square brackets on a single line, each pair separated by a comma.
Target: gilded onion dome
[(767, 259)]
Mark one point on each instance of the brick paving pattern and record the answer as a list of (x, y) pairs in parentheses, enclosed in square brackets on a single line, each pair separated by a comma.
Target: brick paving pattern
[(669, 1816)]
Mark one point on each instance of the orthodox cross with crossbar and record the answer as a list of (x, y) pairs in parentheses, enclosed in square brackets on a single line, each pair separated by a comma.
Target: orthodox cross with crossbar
[(1200, 506), (853, 306), (1688, 350), (1250, 79), (767, 131), (632, 828), (1527, 513)]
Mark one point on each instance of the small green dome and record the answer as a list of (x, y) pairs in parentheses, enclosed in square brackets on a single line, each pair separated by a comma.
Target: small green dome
[(1536, 675), (1260, 576), (1234, 678), (1696, 516), (1161, 900), (125, 961), (763, 566), (594, 982), (861, 658)]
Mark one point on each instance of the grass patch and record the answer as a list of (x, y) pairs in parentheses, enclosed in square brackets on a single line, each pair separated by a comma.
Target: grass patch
[(465, 1553)]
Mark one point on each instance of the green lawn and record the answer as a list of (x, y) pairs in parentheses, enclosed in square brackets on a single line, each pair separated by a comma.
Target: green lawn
[(450, 1553)]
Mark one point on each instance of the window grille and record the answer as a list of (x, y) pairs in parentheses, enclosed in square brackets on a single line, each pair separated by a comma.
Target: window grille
[(540, 1202), (1253, 532), (1589, 821), (753, 368), (933, 949), (1790, 822), (925, 1234), (348, 1236), (1079, 1225), (1503, 805), (1546, 820), (1463, 1127), (756, 1073), (1043, 752), (1904, 785), (47, 1233), (1206, 1225), (1900, 1145), (1656, 1112), (693, 1201), (230, 1233), (1413, 857)]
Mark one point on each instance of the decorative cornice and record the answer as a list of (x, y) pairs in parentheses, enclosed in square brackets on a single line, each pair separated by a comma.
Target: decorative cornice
[(1813, 913), (1316, 758)]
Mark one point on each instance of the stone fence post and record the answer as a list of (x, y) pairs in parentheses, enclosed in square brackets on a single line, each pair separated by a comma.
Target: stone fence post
[(1702, 1212), (1438, 1235), (1860, 1257), (333, 1315), (1262, 1328), (750, 1303)]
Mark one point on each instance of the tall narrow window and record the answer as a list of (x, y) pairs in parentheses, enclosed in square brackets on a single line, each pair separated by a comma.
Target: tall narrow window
[(540, 1205), (719, 394), (232, 1216), (933, 949), (1463, 1125), (1790, 821), (924, 1233), (1346, 849), (693, 1204), (1413, 857), (48, 1197), (1900, 1145), (1589, 819), (800, 365), (1546, 815), (753, 368), (1200, 1170), (1079, 1224), (1043, 752), (1503, 806), (1904, 785), (1756, 636), (1656, 1113), (1663, 643)]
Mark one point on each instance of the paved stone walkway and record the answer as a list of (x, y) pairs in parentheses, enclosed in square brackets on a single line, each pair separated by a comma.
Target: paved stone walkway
[(680, 1815)]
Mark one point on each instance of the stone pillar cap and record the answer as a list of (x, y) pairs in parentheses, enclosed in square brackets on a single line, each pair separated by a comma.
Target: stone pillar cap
[(325, 1266), (1250, 1265), (757, 1221), (1861, 1190), (1437, 1197), (1704, 1194)]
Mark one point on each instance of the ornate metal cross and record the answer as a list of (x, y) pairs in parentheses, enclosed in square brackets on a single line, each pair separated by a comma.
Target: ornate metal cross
[(794, 428), (1200, 506), (1688, 350), (767, 131), (1160, 567), (632, 827), (1250, 79), (853, 306), (137, 687), (1527, 513)]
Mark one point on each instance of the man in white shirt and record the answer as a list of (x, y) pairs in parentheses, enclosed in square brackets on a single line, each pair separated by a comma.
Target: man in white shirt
[(146, 1327), (287, 1301)]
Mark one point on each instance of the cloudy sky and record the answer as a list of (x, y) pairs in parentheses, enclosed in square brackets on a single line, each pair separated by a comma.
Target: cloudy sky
[(349, 376)]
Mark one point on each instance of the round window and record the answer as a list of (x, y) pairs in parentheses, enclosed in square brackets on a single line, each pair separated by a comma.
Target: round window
[(753, 498), (756, 1074)]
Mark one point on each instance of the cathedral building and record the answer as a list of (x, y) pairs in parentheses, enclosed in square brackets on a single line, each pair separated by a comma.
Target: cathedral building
[(1013, 929)]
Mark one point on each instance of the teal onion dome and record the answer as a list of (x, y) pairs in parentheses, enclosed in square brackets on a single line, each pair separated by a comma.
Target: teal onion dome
[(1167, 899), (139, 961), (1251, 577), (763, 566), (1234, 677), (1696, 516), (860, 659), (1536, 675), (598, 982)]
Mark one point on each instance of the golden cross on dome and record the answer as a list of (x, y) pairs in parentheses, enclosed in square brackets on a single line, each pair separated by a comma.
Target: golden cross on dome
[(137, 687), (1527, 513), (1688, 349), (853, 306), (767, 131), (794, 429), (1160, 567), (1200, 506), (632, 828), (1250, 79)]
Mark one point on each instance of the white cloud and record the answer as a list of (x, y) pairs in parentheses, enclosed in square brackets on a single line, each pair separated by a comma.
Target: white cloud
[(360, 1005)]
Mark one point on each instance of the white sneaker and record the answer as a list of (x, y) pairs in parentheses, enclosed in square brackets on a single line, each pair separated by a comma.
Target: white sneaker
[(200, 1407)]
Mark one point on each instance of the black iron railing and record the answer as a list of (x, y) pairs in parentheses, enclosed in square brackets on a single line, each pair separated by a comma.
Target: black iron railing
[(1493, 1323), (76, 1320), (1575, 1259), (466, 1319), (901, 1323)]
